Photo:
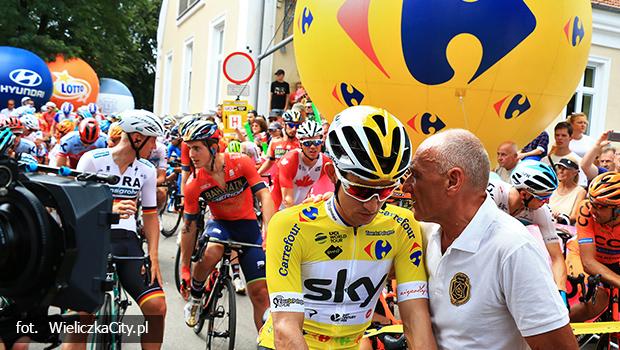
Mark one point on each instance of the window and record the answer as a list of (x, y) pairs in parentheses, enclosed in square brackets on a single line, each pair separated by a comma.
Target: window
[(187, 76), (166, 84), (590, 97), (185, 5), (217, 53)]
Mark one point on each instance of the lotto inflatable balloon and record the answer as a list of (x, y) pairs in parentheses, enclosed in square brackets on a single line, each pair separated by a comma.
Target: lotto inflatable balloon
[(22, 73), (503, 69), (114, 96), (74, 81)]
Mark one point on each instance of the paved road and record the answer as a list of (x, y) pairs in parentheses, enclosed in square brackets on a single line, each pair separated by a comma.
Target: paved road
[(177, 335)]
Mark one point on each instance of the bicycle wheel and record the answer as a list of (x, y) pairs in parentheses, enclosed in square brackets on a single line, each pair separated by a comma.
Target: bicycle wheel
[(177, 269), (103, 341), (222, 318), (170, 224)]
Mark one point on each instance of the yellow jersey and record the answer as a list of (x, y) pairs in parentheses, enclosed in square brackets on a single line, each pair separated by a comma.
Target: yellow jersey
[(334, 273)]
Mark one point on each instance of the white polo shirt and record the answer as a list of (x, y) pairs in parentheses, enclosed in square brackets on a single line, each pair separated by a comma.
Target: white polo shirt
[(492, 287)]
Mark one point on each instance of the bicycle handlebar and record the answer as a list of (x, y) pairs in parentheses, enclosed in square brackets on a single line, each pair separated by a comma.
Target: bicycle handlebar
[(204, 239)]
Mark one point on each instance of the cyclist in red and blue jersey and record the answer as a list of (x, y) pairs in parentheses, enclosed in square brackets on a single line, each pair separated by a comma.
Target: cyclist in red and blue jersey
[(76, 143), (228, 183)]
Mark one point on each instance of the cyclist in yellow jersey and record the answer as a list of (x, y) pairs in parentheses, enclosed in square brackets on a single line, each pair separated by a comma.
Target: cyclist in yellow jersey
[(327, 262)]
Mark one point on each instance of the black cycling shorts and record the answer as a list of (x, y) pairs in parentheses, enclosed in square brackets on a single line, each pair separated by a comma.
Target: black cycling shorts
[(127, 243)]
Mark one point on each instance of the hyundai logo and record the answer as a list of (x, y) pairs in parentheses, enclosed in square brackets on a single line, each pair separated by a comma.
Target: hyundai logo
[(25, 77)]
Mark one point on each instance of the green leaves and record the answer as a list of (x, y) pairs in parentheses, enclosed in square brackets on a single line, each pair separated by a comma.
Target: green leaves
[(118, 38)]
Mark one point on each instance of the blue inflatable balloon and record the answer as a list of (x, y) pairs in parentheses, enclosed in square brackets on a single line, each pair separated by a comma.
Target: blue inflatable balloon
[(114, 96), (22, 73)]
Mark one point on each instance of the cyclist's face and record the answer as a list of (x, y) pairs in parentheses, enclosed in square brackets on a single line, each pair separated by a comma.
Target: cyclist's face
[(601, 214), (360, 213), (149, 145), (532, 202), (199, 154), (312, 150)]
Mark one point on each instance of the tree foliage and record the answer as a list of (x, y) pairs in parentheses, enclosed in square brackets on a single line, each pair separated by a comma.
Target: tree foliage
[(118, 38)]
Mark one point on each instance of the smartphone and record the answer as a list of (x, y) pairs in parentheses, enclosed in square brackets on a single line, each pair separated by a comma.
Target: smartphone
[(613, 136)]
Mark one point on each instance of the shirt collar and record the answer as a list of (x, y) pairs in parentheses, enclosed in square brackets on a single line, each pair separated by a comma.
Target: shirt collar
[(469, 240)]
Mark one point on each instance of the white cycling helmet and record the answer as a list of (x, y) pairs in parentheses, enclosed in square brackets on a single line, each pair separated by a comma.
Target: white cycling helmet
[(309, 129), (142, 122), (535, 177), (370, 143), (29, 121)]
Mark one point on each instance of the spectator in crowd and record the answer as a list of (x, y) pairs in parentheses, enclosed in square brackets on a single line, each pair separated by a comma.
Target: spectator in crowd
[(308, 110), (297, 95), (48, 117), (607, 159), (251, 115), (10, 106), (275, 131), (580, 142), (218, 113), (507, 160), (259, 130), (536, 149), (605, 154), (279, 92), (474, 307), (564, 201), (562, 135)]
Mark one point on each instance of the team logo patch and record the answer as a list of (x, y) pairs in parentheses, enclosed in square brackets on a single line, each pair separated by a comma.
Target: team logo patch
[(308, 214), (333, 251), (320, 238), (415, 254), (378, 249), (460, 289)]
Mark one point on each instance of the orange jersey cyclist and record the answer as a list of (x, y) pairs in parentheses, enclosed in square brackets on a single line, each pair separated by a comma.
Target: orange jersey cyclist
[(327, 262), (598, 231), (228, 183)]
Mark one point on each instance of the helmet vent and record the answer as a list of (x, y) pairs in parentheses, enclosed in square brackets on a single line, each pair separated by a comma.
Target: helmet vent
[(380, 120)]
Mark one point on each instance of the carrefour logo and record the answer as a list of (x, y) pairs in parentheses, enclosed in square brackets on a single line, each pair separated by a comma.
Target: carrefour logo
[(25, 77)]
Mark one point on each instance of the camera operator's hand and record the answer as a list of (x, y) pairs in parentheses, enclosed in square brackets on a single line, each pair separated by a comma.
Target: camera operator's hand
[(126, 208)]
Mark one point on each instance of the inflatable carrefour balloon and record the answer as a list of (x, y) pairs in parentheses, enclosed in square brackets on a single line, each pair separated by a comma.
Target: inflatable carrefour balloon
[(22, 73), (503, 69), (74, 81), (114, 96)]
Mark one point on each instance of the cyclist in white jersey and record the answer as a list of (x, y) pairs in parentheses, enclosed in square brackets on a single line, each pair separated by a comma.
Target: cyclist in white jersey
[(128, 160), (525, 199)]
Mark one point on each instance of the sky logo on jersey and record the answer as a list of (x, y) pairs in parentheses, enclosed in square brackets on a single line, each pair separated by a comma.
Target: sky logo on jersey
[(516, 105), (347, 94), (415, 254), (574, 31), (427, 124), (308, 214), (378, 249)]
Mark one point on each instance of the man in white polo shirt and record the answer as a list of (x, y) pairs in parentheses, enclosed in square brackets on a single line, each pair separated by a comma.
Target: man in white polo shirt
[(489, 284)]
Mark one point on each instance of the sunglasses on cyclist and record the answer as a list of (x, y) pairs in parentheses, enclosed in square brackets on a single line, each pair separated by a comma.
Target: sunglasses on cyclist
[(364, 193), (310, 143), (293, 125)]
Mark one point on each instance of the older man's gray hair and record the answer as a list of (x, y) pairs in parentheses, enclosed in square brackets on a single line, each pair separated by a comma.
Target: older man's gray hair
[(459, 148)]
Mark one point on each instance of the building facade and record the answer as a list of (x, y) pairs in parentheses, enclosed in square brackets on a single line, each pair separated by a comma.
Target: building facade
[(194, 37)]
